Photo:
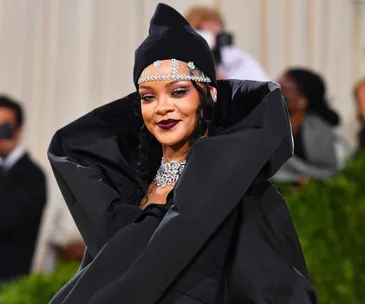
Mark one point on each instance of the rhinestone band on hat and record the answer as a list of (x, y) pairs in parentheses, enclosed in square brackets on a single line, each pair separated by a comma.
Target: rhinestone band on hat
[(157, 63), (191, 65), (173, 77), (194, 73), (174, 67)]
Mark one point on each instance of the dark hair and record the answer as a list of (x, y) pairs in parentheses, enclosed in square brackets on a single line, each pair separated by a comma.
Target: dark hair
[(312, 86), (149, 151), (6, 102)]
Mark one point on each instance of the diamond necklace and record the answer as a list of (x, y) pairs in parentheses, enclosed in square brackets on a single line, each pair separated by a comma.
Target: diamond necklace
[(169, 173)]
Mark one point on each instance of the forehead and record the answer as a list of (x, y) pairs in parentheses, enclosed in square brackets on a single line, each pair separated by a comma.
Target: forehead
[(162, 84), (7, 115)]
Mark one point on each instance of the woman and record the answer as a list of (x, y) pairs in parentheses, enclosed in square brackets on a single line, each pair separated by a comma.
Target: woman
[(202, 225), (312, 123)]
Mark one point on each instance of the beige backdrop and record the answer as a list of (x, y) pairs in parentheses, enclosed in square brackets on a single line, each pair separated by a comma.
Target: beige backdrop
[(62, 58)]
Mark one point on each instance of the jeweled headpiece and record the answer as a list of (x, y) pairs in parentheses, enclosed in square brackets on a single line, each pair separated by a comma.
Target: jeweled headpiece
[(173, 70)]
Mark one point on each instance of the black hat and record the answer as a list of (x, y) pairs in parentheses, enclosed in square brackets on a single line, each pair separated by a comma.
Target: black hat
[(171, 36)]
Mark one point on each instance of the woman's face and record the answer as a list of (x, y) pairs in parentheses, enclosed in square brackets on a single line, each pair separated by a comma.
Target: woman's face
[(169, 110), (295, 100)]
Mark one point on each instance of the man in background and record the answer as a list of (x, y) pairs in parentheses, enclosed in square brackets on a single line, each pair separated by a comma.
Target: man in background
[(232, 63), (22, 195)]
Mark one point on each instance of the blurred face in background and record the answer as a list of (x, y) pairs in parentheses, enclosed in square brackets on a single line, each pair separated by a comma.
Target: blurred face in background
[(8, 116), (207, 21), (297, 102), (209, 30)]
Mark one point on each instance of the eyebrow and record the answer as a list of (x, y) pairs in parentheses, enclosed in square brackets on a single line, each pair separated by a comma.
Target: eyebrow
[(169, 84)]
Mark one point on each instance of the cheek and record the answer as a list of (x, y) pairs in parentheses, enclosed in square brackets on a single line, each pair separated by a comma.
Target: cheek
[(189, 105), (190, 114), (147, 116), (188, 111), (147, 112)]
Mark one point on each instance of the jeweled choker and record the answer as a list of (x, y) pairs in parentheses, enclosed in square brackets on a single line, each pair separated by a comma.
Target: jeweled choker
[(169, 173)]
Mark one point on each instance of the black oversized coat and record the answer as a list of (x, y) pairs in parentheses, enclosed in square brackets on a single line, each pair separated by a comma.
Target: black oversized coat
[(227, 237)]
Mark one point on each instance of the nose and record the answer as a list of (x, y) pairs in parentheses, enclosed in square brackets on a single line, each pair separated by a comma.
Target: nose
[(164, 105)]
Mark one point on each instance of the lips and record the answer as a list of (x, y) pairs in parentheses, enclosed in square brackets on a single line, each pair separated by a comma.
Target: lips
[(168, 124)]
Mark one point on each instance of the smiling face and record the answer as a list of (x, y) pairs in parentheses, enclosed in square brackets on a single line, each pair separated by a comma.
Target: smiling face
[(169, 107), (169, 110)]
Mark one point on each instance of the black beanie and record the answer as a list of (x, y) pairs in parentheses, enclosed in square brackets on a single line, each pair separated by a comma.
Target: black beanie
[(171, 36)]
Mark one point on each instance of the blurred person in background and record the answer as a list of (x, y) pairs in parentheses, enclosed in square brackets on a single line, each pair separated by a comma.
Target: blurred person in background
[(313, 124), (232, 63), (22, 195), (360, 100), (59, 238)]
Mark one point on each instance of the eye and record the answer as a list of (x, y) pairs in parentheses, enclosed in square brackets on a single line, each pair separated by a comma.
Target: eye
[(147, 97), (180, 92)]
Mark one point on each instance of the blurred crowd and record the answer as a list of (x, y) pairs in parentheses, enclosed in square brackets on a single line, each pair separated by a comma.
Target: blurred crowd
[(35, 232)]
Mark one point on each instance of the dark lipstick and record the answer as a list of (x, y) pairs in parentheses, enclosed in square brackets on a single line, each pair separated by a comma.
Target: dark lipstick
[(168, 124)]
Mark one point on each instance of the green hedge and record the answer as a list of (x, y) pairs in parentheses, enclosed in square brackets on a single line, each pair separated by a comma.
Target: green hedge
[(37, 288), (330, 219)]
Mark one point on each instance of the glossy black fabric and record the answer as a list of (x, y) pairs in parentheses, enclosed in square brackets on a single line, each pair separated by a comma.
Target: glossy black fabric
[(227, 237), (22, 200)]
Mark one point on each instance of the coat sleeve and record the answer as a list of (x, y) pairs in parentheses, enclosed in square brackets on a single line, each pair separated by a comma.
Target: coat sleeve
[(267, 265), (98, 209)]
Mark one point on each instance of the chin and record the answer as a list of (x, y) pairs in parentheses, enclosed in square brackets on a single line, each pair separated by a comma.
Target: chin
[(171, 139), (169, 142)]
